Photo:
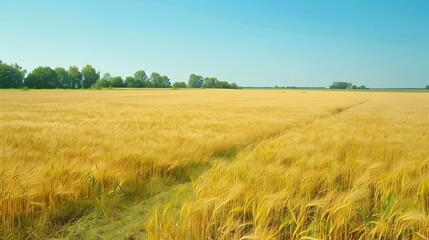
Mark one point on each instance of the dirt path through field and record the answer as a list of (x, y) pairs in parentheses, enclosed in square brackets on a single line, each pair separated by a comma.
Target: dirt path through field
[(127, 223)]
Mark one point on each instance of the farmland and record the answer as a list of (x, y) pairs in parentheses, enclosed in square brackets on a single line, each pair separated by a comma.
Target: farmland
[(214, 164)]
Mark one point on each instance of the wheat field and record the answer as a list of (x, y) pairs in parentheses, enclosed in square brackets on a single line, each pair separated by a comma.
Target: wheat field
[(261, 164)]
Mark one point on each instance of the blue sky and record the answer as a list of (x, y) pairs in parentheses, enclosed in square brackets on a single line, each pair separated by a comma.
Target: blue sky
[(382, 43)]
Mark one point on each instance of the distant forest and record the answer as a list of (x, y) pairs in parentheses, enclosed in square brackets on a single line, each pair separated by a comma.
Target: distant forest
[(346, 85), (14, 76)]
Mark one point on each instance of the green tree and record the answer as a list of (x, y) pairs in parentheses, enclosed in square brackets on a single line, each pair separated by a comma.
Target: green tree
[(107, 76), (42, 77), (90, 76), (141, 79), (210, 82), (20, 69), (234, 85), (104, 81), (155, 80), (166, 81), (177, 85), (362, 87), (341, 85), (10, 76), (140, 84), (354, 87), (222, 84), (129, 82), (195, 81), (158, 81), (98, 84), (427, 87), (75, 77), (116, 82), (64, 79)]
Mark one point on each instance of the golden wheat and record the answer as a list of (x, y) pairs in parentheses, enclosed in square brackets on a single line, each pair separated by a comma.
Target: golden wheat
[(66, 145), (358, 173), (338, 165)]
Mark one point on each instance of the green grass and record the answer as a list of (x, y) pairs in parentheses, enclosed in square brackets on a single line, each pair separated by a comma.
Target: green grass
[(123, 220), (113, 216)]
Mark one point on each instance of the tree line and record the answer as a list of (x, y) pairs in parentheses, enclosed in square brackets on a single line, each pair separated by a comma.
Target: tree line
[(197, 81), (14, 76), (346, 85)]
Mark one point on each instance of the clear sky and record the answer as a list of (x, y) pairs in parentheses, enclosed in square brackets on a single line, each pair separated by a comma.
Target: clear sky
[(383, 43)]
